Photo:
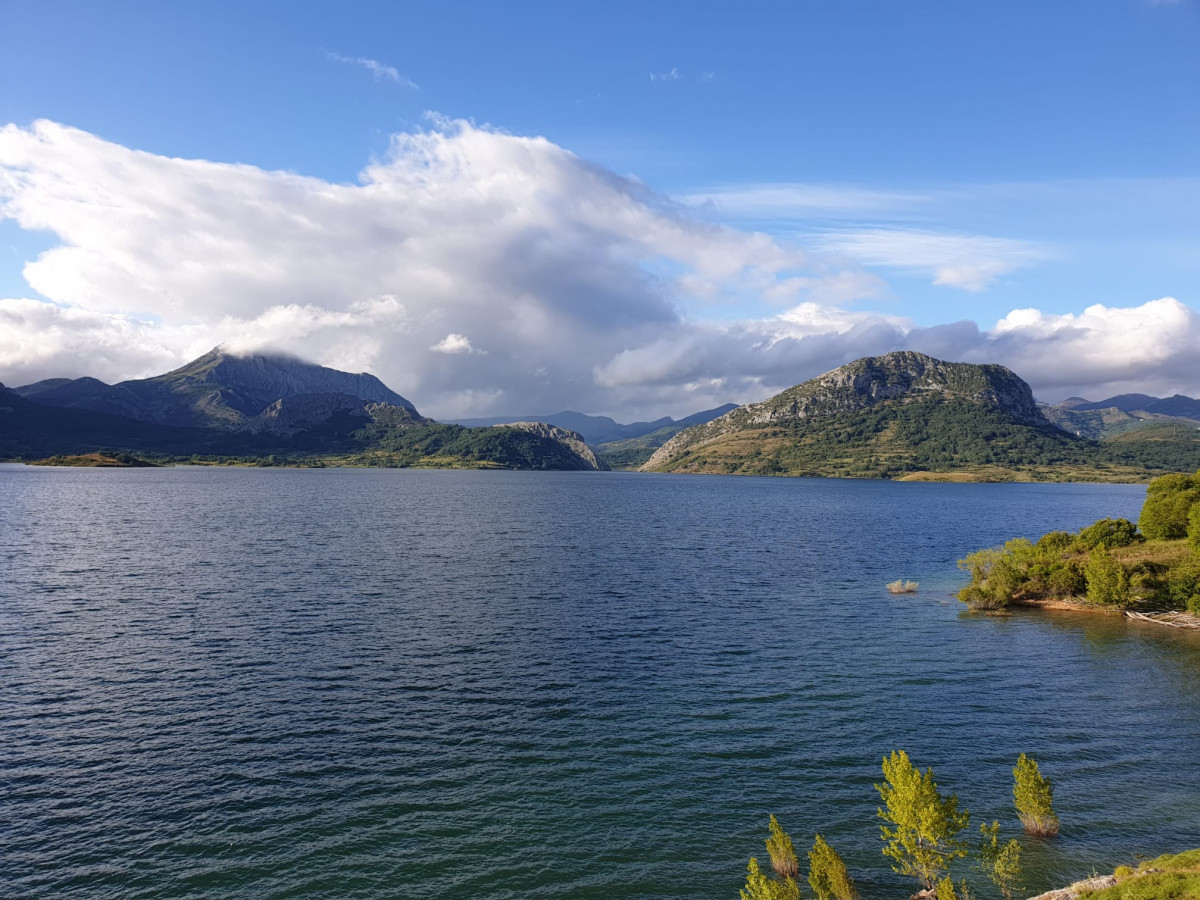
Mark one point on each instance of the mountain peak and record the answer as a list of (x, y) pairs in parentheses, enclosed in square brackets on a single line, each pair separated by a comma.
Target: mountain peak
[(220, 389), (904, 378)]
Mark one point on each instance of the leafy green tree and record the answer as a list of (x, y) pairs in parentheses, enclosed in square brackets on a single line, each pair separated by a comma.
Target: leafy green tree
[(1169, 500), (1033, 795), (763, 887), (994, 578), (922, 837), (1107, 580), (783, 854), (1193, 533), (1183, 588), (827, 874), (1110, 533), (1000, 862)]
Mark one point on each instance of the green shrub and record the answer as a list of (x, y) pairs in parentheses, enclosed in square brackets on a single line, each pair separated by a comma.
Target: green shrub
[(1183, 589), (1033, 795), (1193, 532), (827, 874), (781, 851), (1068, 580), (1055, 542), (1107, 580), (1169, 500), (1000, 862), (1109, 532), (762, 887)]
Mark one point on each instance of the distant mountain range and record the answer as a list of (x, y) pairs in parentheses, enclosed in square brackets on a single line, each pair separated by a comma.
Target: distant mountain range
[(1123, 413), (899, 415), (599, 430), (909, 415), (260, 407), (218, 390)]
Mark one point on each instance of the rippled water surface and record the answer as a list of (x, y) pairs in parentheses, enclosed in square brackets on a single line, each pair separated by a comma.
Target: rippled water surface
[(354, 683)]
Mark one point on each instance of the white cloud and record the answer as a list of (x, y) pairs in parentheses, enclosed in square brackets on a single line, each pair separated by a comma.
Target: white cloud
[(458, 230), (970, 262), (381, 71), (672, 75), (584, 287), (774, 201), (455, 343), (1152, 348)]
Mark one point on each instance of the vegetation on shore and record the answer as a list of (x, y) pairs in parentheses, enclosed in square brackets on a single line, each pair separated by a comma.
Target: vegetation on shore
[(1113, 564), (1169, 877), (924, 836), (97, 461)]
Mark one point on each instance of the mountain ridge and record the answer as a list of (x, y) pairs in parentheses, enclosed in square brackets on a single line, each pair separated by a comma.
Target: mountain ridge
[(217, 390), (600, 429), (864, 383), (222, 406), (905, 414)]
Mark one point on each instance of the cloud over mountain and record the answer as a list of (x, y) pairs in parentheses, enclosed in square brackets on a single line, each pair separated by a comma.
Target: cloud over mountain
[(475, 271)]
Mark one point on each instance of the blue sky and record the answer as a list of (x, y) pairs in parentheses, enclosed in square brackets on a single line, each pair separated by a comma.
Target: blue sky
[(971, 158)]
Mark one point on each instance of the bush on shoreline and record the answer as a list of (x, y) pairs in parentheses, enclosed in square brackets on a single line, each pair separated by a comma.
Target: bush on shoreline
[(1109, 564)]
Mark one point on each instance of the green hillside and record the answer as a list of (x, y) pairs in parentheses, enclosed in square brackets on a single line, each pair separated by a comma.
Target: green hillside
[(905, 415)]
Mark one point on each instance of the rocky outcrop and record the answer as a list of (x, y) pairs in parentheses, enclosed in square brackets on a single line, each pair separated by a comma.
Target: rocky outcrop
[(1078, 889), (573, 440), (901, 376), (301, 412)]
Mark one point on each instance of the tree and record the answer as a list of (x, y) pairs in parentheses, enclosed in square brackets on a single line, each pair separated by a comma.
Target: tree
[(1110, 533), (923, 837), (1001, 863), (1193, 533), (1033, 796), (827, 874), (1107, 580), (762, 887), (783, 854), (1169, 499)]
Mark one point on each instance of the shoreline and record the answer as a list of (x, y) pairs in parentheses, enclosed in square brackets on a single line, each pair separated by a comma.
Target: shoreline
[(1173, 618)]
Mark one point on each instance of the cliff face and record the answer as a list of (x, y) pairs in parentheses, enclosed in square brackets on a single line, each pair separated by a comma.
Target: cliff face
[(901, 377), (573, 440)]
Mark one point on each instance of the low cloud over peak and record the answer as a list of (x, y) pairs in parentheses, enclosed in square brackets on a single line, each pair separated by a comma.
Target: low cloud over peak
[(475, 272)]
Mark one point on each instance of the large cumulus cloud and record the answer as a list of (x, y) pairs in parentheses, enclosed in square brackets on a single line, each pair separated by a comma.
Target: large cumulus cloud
[(476, 272)]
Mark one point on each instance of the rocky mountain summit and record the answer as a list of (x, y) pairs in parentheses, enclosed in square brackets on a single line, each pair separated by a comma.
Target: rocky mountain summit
[(257, 407), (902, 377), (218, 390)]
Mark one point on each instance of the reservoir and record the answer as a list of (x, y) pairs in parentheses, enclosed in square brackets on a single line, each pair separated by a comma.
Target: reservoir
[(339, 683)]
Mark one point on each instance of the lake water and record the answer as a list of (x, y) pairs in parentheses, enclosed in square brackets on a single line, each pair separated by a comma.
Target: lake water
[(270, 683)]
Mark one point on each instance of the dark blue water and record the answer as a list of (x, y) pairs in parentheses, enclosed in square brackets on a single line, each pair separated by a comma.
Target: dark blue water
[(354, 683)]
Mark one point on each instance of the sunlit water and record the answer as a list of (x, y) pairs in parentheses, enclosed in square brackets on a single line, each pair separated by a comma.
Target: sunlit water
[(353, 683)]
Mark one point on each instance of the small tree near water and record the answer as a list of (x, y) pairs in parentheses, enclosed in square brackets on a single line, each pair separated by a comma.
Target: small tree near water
[(1033, 795), (781, 851), (922, 834), (1000, 862), (760, 886), (827, 874), (1107, 580)]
